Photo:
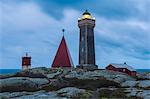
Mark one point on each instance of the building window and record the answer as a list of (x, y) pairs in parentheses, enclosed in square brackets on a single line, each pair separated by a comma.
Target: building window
[(124, 70)]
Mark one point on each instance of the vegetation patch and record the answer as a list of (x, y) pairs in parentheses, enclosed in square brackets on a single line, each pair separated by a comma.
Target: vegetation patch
[(91, 84), (49, 87), (117, 93), (85, 95)]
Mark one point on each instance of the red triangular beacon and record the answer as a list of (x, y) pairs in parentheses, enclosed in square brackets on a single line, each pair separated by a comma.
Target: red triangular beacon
[(62, 58)]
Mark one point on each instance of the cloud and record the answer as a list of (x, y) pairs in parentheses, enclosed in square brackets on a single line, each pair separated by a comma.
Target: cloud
[(27, 29), (123, 40), (116, 9)]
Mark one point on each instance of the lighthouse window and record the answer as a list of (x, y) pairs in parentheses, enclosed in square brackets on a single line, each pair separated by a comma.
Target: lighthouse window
[(82, 38), (82, 50)]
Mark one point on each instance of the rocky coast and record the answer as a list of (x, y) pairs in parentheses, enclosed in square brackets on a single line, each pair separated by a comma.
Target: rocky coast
[(42, 82)]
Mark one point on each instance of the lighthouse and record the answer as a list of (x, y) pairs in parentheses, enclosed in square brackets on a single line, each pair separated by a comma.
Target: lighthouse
[(86, 26), (26, 62)]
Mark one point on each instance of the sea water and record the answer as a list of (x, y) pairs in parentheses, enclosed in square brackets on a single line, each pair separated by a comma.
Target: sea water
[(11, 71)]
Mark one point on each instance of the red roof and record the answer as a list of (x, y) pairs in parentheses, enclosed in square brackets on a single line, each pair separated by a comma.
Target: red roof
[(62, 58)]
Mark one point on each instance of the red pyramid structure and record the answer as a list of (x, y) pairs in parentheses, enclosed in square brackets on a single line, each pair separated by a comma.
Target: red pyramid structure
[(62, 58)]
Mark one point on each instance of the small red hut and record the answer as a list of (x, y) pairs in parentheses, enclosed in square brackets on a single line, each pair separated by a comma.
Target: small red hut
[(26, 62), (62, 58), (122, 68)]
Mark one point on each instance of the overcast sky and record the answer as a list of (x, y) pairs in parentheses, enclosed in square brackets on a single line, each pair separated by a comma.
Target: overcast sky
[(122, 32)]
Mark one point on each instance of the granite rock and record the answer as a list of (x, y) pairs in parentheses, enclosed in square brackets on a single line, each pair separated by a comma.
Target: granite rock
[(22, 84), (136, 92), (70, 92), (30, 95), (145, 84), (143, 76), (109, 75)]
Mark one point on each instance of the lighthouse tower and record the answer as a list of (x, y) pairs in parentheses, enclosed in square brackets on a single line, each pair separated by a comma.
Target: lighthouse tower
[(86, 25), (26, 62)]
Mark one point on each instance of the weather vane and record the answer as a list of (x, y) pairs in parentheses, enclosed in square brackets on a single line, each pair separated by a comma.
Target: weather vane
[(63, 30), (26, 53)]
